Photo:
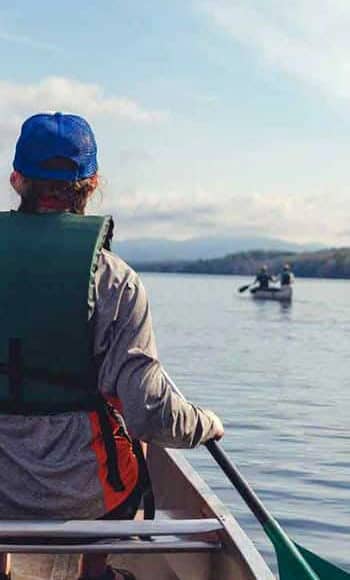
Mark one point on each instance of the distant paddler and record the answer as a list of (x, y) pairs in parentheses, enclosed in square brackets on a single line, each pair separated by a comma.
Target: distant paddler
[(263, 278), (286, 276), (261, 282)]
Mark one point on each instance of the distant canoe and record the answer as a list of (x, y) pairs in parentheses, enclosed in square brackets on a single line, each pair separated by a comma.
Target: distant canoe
[(283, 294)]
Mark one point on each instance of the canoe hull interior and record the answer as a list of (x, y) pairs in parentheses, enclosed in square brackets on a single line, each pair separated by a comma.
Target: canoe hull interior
[(180, 494)]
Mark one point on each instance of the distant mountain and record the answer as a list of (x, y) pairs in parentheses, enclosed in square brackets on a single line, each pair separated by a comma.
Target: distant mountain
[(330, 263), (163, 250)]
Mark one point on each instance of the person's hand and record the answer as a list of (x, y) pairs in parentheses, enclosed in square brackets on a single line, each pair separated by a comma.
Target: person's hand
[(218, 431)]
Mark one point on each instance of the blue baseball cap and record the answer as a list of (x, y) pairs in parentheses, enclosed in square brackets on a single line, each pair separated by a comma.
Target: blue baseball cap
[(48, 136)]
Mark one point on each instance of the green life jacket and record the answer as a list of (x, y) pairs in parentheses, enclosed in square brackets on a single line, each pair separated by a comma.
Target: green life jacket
[(47, 266), (47, 270)]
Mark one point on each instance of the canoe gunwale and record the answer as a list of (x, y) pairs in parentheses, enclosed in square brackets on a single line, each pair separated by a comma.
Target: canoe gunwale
[(236, 544)]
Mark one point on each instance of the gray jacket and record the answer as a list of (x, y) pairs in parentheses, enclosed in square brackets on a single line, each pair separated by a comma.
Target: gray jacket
[(47, 466)]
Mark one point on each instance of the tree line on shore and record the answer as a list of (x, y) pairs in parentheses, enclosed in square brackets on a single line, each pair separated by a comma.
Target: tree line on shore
[(330, 263)]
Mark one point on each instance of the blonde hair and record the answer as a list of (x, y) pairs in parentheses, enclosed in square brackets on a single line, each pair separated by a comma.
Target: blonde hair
[(75, 193)]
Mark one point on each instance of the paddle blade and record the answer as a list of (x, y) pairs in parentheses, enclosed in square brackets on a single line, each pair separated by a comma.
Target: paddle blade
[(305, 565), (292, 565), (324, 569), (243, 288)]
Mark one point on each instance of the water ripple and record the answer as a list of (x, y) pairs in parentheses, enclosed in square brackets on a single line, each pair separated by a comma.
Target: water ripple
[(279, 378)]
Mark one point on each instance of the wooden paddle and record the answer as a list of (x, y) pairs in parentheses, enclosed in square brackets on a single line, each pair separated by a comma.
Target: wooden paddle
[(244, 288)]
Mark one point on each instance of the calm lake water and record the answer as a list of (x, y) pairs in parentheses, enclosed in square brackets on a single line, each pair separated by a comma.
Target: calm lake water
[(279, 377)]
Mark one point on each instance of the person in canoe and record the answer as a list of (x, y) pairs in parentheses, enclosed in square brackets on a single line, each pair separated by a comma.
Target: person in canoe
[(286, 276), (80, 379), (263, 279)]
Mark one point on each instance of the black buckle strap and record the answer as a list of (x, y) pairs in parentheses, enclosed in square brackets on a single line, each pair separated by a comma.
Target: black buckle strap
[(113, 476), (145, 482), (18, 371), (14, 368)]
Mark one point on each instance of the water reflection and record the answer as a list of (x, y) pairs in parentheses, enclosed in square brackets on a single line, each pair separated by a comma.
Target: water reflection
[(284, 305)]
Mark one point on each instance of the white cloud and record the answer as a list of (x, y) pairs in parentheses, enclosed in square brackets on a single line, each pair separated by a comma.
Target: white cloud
[(18, 101), (176, 214), (207, 213), (59, 93), (307, 39)]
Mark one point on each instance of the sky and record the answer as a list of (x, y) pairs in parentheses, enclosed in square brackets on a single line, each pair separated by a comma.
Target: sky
[(213, 117)]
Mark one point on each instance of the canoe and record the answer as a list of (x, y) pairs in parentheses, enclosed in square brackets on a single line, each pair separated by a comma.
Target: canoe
[(193, 537), (283, 294)]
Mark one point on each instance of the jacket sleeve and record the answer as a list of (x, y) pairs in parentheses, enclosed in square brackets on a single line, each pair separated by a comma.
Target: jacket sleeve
[(131, 371)]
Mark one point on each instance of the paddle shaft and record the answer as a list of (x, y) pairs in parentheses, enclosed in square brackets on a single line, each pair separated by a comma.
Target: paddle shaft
[(239, 482), (276, 534), (244, 288)]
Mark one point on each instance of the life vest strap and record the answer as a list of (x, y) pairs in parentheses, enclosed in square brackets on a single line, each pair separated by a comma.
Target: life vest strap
[(145, 482), (15, 368), (113, 477), (17, 372)]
